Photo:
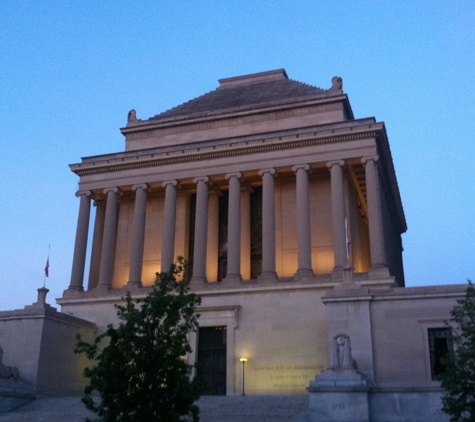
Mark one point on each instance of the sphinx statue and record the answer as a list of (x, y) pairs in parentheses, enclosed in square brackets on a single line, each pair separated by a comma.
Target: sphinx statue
[(8, 372)]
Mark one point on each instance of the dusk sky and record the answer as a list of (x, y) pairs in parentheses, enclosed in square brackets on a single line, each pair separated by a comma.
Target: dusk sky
[(71, 71)]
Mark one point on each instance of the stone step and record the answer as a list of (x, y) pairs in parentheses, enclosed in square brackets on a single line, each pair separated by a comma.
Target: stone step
[(254, 408), (213, 409)]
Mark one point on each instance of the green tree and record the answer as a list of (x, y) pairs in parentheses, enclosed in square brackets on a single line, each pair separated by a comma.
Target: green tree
[(141, 374), (458, 378)]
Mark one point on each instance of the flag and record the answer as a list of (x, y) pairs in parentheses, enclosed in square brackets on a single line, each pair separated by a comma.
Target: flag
[(47, 268)]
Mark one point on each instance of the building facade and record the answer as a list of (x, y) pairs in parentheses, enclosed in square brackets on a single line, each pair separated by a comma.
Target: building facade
[(288, 211), (269, 188)]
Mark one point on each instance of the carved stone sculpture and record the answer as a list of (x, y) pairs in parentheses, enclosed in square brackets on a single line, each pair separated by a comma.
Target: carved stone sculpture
[(132, 118), (8, 372), (337, 84), (341, 353)]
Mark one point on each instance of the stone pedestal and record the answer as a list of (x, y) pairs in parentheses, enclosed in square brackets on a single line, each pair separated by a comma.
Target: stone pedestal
[(15, 393), (339, 396)]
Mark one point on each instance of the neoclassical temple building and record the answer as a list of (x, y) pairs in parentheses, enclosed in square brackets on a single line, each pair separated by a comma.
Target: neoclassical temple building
[(288, 211), (264, 180)]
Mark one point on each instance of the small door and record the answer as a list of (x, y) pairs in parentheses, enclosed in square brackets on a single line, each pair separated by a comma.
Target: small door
[(212, 359)]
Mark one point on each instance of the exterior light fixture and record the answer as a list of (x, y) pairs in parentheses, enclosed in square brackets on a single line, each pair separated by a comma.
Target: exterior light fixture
[(243, 360)]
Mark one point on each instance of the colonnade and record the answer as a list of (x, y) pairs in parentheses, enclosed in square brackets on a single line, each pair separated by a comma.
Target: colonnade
[(103, 246)]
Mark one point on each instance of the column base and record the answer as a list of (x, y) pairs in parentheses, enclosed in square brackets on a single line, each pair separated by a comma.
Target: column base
[(72, 293), (303, 274), (198, 280), (268, 276), (344, 274), (76, 288), (232, 278), (133, 284), (102, 287)]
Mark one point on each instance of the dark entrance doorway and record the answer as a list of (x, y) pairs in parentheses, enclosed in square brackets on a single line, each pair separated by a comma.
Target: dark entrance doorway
[(212, 359)]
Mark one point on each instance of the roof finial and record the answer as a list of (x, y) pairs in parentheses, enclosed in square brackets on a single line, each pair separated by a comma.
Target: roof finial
[(337, 85), (132, 118)]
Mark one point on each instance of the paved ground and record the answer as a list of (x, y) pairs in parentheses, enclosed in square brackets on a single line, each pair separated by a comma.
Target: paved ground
[(213, 409), (49, 409)]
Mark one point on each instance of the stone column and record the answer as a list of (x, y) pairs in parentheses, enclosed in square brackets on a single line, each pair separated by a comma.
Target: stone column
[(201, 230), (378, 260), (108, 241), (138, 235), (80, 246), (268, 224), (303, 222), (168, 240), (338, 214), (213, 235), (95, 264), (234, 228), (246, 191)]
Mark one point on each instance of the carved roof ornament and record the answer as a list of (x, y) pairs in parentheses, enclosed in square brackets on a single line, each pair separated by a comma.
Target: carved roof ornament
[(337, 85), (132, 118)]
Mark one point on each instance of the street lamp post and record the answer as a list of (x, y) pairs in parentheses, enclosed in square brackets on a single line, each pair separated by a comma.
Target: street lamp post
[(243, 360)]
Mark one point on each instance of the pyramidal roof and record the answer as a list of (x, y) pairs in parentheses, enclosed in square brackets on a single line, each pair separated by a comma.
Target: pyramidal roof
[(249, 91)]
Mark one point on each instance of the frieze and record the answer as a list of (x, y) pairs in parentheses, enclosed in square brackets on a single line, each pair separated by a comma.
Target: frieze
[(216, 124), (220, 154)]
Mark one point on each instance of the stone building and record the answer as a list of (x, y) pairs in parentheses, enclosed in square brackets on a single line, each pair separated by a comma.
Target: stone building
[(288, 211)]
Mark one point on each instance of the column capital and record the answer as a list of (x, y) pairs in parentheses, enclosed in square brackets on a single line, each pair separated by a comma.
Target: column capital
[(370, 157), (143, 186), (113, 190), (237, 175), (84, 192), (171, 182), (246, 187), (98, 201), (214, 190), (297, 167), (330, 164), (268, 170), (205, 179)]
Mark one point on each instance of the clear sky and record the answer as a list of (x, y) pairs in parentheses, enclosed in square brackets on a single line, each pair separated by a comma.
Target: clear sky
[(70, 72)]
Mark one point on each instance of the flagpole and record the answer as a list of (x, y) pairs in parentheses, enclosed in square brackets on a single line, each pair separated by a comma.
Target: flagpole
[(46, 267)]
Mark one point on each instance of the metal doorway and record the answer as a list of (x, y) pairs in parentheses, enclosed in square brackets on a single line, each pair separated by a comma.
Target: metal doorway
[(212, 359)]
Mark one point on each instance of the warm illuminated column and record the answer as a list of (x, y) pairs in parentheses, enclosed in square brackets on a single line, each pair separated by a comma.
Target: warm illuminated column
[(201, 230), (80, 246), (303, 222), (246, 191), (98, 234), (338, 214), (213, 235), (168, 240), (375, 223), (234, 227), (110, 234), (138, 235), (268, 224)]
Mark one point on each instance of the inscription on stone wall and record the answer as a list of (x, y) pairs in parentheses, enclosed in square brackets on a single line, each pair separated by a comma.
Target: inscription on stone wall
[(283, 377)]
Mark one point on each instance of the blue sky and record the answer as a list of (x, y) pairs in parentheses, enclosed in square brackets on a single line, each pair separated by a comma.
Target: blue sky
[(70, 72)]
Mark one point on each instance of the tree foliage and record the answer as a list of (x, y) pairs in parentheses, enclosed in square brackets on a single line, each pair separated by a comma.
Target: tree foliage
[(141, 374), (458, 378)]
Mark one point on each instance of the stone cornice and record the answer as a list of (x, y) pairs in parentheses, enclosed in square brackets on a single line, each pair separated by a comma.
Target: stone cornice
[(233, 117), (317, 283), (293, 142), (455, 291)]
